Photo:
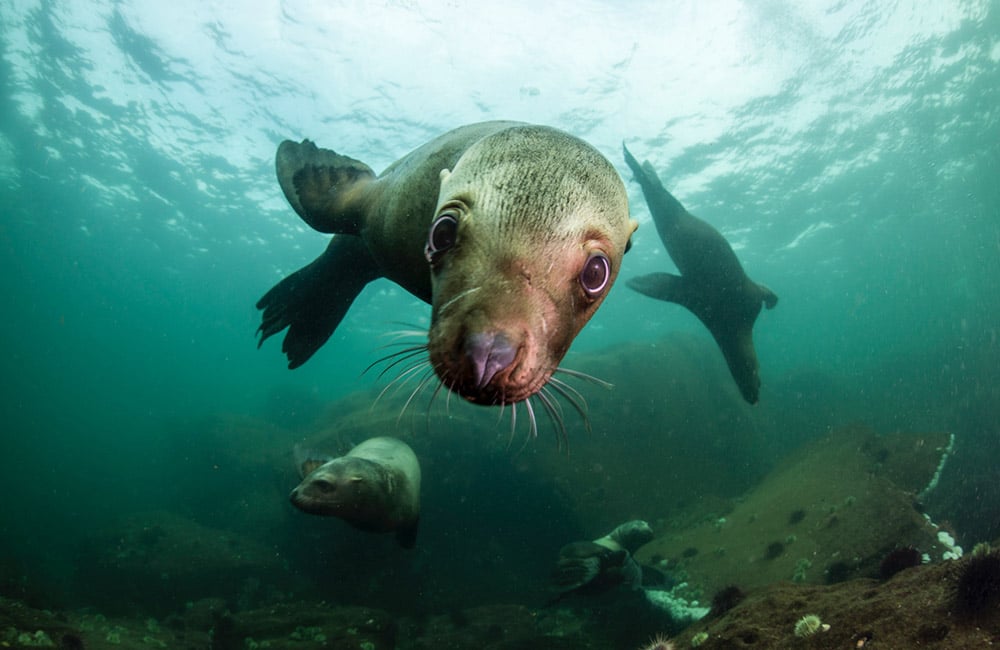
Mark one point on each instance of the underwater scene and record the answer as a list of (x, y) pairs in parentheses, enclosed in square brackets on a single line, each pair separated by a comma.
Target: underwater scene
[(475, 325)]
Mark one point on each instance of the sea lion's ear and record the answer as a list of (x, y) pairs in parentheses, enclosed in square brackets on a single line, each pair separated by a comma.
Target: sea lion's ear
[(445, 173), (306, 467), (628, 244), (306, 460)]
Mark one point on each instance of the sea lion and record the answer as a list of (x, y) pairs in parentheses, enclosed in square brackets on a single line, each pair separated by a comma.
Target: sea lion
[(593, 567), (374, 487), (514, 233), (712, 284)]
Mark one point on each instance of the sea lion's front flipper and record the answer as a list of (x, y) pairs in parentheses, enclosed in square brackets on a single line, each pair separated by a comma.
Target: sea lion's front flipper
[(407, 535), (579, 563), (769, 297), (312, 301), (662, 286), (322, 185)]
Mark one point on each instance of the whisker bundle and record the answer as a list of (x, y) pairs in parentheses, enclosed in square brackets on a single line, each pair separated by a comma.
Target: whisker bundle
[(411, 365)]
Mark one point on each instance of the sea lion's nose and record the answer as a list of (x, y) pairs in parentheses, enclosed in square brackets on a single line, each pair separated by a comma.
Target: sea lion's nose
[(489, 353)]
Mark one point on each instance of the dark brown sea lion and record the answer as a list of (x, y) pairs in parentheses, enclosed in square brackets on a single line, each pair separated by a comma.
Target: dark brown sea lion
[(374, 487), (712, 283), (513, 232), (593, 567)]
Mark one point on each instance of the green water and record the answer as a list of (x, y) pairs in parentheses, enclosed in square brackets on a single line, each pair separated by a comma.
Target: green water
[(848, 151)]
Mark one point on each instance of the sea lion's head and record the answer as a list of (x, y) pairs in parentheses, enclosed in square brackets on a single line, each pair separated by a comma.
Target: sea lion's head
[(527, 240), (349, 488)]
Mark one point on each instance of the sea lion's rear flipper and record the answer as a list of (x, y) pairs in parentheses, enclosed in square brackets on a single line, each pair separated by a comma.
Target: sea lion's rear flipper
[(407, 535), (736, 344), (662, 286), (769, 297), (322, 185), (663, 207), (312, 301)]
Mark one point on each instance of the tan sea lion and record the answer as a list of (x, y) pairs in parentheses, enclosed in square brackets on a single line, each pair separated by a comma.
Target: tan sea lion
[(374, 487), (514, 233), (712, 284)]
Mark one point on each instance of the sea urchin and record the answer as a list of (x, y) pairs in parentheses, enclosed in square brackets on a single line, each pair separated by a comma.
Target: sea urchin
[(659, 642), (978, 586)]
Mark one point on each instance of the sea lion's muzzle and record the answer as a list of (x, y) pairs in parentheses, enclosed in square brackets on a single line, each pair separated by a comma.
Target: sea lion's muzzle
[(486, 366), (488, 354)]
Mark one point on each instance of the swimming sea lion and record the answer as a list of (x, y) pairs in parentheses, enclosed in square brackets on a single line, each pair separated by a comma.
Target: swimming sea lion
[(374, 487), (712, 284), (513, 232), (592, 567)]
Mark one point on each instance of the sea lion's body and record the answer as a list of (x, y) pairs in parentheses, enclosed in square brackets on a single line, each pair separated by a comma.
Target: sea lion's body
[(712, 284), (604, 563), (374, 487), (513, 232)]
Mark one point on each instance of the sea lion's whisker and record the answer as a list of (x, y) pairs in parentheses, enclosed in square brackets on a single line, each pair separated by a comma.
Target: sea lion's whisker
[(406, 345), (574, 397), (401, 379), (398, 335), (532, 424), (428, 375), (571, 394), (430, 403), (461, 295), (399, 339), (513, 424), (533, 430), (400, 357), (554, 409), (584, 376), (416, 327), (503, 407), (447, 397), (406, 375)]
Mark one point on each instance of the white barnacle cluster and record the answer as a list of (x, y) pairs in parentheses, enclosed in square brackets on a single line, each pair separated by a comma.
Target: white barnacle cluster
[(946, 452), (952, 550), (681, 610)]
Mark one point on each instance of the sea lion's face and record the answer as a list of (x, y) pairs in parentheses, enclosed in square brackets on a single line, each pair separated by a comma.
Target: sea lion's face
[(526, 242), (343, 487)]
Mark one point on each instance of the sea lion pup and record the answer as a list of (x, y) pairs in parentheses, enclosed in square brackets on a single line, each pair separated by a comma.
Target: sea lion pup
[(374, 487), (514, 233), (712, 284), (593, 567)]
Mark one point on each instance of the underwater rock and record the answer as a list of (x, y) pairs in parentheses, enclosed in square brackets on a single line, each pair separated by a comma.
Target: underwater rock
[(156, 561), (914, 609), (830, 512), (491, 626), (313, 625)]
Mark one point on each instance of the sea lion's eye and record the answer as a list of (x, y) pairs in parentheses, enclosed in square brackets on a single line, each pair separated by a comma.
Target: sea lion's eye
[(324, 486), (595, 274), (441, 237)]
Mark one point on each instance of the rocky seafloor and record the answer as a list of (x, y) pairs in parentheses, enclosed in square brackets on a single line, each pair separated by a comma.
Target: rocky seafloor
[(919, 607), (799, 517)]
